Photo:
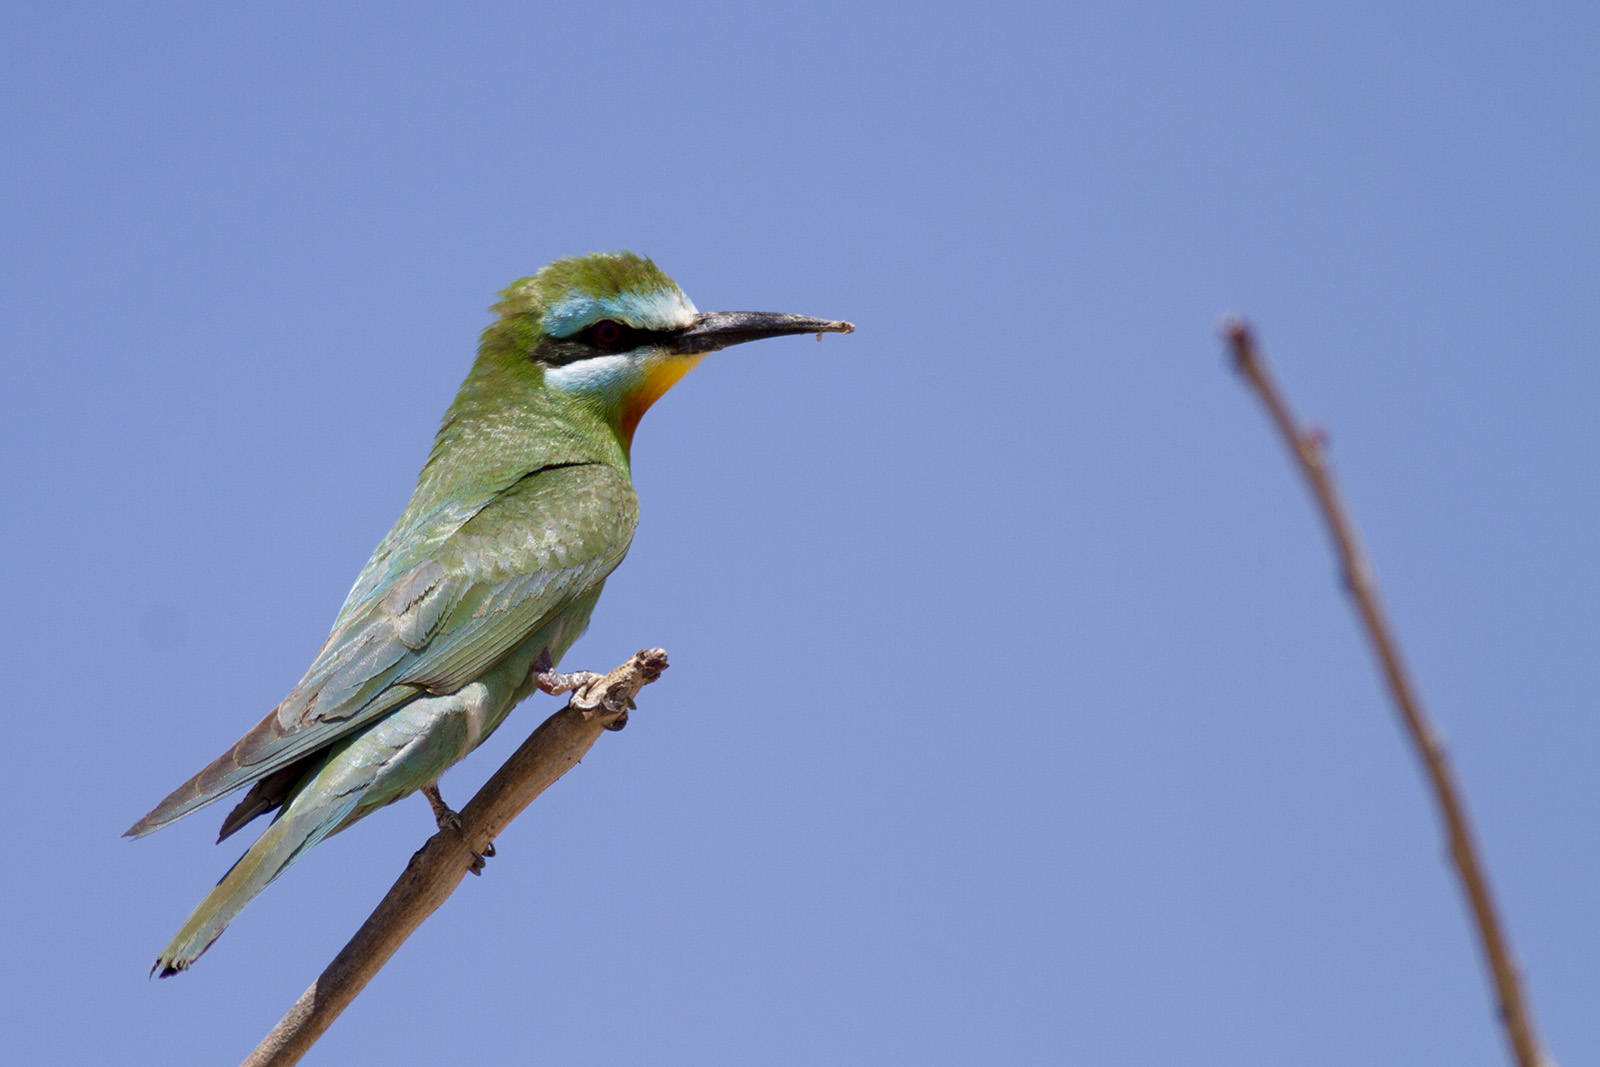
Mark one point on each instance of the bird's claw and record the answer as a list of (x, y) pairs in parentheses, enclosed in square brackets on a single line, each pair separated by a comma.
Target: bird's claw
[(447, 819), (554, 683), (603, 694)]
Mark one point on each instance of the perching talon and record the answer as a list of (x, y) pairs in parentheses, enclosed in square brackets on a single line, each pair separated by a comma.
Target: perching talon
[(554, 683), (449, 820)]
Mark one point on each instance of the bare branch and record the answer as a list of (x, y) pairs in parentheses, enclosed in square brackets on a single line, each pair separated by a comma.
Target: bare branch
[(438, 867), (1306, 447)]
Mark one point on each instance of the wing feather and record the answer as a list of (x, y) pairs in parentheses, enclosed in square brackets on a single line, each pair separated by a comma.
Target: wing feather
[(439, 623)]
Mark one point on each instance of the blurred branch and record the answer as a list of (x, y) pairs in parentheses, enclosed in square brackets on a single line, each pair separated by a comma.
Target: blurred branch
[(1306, 446), (438, 867)]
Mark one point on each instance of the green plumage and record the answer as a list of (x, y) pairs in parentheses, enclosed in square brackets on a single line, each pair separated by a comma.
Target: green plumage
[(521, 511)]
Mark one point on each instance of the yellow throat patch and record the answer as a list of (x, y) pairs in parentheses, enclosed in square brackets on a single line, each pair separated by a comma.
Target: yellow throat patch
[(659, 375)]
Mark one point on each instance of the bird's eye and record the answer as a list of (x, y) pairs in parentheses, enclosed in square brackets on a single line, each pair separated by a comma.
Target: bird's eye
[(607, 333)]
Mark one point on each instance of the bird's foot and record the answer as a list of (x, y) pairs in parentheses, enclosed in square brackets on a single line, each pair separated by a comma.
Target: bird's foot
[(447, 819), (554, 683), (614, 693), (549, 681), (443, 814), (609, 696)]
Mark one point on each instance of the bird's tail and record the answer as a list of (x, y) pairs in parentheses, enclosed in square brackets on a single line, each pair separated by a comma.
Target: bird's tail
[(280, 845)]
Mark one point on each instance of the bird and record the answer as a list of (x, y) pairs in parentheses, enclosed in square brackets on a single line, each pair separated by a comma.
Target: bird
[(524, 507)]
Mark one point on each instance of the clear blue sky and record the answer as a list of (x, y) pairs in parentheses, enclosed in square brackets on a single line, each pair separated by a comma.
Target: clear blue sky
[(1015, 715)]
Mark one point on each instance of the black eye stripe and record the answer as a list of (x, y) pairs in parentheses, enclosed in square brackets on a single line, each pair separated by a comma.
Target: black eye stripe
[(609, 336), (604, 338)]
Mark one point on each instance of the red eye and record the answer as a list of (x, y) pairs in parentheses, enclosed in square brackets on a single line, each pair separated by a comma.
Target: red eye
[(607, 333)]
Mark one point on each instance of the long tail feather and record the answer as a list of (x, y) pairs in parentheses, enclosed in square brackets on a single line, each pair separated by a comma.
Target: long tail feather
[(279, 846)]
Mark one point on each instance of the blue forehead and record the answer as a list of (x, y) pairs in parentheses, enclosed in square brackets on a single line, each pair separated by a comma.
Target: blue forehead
[(659, 309)]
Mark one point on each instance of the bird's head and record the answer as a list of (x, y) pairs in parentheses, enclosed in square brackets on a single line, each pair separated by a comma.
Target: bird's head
[(613, 331)]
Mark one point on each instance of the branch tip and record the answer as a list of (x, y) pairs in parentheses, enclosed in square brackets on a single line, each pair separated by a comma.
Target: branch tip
[(1235, 329), (1306, 448)]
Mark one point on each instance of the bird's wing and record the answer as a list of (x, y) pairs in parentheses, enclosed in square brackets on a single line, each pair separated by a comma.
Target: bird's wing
[(438, 624)]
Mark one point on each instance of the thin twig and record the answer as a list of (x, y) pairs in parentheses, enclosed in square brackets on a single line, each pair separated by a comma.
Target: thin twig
[(1306, 447), (438, 867)]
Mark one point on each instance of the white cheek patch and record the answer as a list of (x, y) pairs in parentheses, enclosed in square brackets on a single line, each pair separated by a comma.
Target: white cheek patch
[(602, 374)]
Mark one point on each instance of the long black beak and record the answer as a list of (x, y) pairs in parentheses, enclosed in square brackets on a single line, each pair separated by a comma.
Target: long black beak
[(719, 329)]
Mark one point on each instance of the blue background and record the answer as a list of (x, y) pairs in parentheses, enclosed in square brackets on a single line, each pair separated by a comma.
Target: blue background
[(1016, 715)]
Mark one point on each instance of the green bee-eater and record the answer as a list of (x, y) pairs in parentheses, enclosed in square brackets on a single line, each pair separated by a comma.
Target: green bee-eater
[(522, 509)]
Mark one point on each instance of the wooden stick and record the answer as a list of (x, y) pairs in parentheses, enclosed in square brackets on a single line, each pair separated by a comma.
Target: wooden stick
[(1306, 448), (438, 867)]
